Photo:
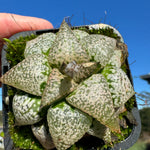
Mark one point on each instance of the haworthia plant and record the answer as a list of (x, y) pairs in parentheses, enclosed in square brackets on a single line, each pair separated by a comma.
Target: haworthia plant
[(39, 45), (40, 131), (93, 97), (75, 81), (30, 75), (67, 125), (66, 48), (119, 85), (99, 47), (58, 86), (26, 109)]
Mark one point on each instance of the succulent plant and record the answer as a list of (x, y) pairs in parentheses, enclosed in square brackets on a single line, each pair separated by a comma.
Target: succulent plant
[(27, 106), (77, 78)]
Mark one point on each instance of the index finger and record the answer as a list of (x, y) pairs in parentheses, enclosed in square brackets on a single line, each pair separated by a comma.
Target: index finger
[(11, 24)]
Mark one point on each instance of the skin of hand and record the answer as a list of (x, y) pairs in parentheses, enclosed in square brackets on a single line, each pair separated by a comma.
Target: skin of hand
[(11, 24)]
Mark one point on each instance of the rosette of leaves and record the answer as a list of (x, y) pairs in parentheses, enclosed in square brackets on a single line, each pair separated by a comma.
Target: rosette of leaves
[(72, 85)]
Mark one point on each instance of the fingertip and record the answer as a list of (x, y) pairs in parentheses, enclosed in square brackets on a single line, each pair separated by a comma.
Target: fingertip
[(46, 23), (12, 23)]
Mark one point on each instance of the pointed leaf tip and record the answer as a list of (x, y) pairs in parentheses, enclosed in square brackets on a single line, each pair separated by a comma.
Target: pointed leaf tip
[(66, 48), (29, 75), (58, 86)]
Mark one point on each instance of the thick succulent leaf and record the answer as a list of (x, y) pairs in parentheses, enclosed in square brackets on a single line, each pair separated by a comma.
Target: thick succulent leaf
[(80, 34), (67, 125), (66, 48), (26, 109), (119, 85), (58, 86), (119, 56), (79, 72), (41, 132), (100, 131), (99, 47), (30, 75), (93, 97), (39, 45), (116, 59)]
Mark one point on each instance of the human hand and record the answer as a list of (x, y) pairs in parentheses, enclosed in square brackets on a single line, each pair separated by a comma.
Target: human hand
[(11, 24)]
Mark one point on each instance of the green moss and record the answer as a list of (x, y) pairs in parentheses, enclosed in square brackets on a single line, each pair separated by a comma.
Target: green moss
[(11, 91), (122, 115), (22, 136), (124, 134), (130, 103), (15, 49), (124, 67), (104, 31)]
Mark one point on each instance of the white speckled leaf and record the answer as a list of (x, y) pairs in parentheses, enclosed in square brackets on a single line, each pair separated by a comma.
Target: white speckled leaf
[(67, 125), (30, 75), (119, 85), (100, 131), (119, 56), (66, 48), (40, 131), (116, 59), (26, 109), (39, 45), (58, 86), (99, 47), (80, 34), (93, 97), (79, 72)]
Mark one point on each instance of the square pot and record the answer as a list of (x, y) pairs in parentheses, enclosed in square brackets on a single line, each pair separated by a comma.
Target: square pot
[(8, 143)]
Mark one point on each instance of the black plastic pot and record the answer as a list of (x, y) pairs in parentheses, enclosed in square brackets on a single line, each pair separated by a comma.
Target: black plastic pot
[(8, 143)]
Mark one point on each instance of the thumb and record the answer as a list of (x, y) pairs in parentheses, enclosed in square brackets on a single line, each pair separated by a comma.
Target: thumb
[(11, 24)]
